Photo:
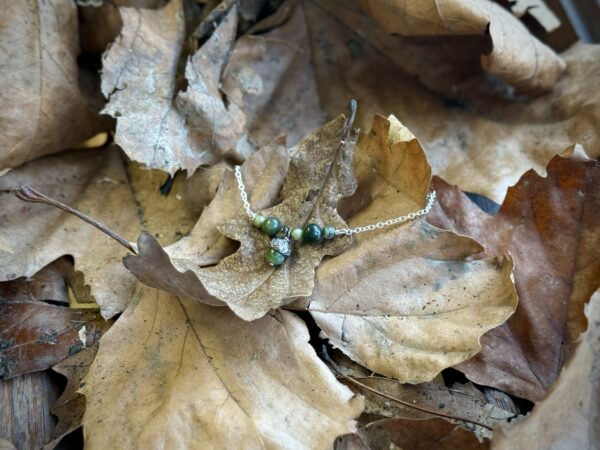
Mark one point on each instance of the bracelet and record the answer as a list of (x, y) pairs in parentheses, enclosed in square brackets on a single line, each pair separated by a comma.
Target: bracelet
[(282, 236)]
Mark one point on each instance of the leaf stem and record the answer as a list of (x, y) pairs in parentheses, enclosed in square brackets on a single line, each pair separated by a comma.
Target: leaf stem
[(27, 194), (394, 399)]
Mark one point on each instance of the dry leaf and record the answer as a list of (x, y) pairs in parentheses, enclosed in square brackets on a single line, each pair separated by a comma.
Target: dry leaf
[(516, 57), (70, 406), (93, 182), (551, 227), (186, 375), (35, 335), (406, 301), (569, 418), (319, 175), (156, 124), (39, 48), (475, 133)]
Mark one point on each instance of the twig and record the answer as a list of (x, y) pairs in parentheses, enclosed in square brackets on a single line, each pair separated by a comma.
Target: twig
[(28, 194), (394, 399)]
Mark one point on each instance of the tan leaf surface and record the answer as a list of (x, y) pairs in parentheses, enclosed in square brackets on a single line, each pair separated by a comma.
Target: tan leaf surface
[(476, 133), (157, 125), (179, 374), (405, 301), (94, 182), (551, 227), (38, 55), (517, 57), (569, 418), (320, 174), (35, 334)]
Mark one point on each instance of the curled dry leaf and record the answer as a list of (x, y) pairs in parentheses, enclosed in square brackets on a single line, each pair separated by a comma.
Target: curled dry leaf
[(320, 173), (34, 334), (551, 227), (157, 125), (70, 406), (37, 235), (406, 301), (39, 48), (569, 418), (516, 57), (476, 135), (188, 375)]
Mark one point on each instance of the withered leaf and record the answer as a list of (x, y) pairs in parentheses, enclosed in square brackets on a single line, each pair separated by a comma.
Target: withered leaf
[(406, 301), (551, 227), (476, 134), (70, 406), (36, 235), (157, 125), (517, 56), (569, 418), (320, 173), (39, 48), (188, 375), (35, 335)]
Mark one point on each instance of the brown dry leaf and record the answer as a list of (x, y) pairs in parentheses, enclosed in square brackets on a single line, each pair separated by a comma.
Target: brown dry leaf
[(569, 418), (517, 56), (475, 133), (94, 182), (418, 434), (70, 406), (319, 175), (406, 301), (157, 125), (551, 227), (41, 93), (34, 334), (187, 375)]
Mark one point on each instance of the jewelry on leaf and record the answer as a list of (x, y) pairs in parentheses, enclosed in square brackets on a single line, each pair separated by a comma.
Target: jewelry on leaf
[(283, 236)]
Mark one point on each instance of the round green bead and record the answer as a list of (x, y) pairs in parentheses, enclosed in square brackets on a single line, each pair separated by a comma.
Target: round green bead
[(271, 226), (274, 258), (296, 234), (258, 220), (311, 233), (328, 232)]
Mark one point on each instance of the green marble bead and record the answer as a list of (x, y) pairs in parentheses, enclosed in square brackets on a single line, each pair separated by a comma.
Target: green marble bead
[(328, 232), (274, 258), (258, 220), (271, 226), (311, 233), (296, 234)]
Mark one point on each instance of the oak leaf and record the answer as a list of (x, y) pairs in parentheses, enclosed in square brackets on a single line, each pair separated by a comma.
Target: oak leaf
[(550, 226), (40, 78), (406, 301), (188, 375), (320, 173)]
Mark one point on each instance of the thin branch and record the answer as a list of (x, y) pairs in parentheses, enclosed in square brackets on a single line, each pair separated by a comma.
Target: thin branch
[(397, 400), (30, 195)]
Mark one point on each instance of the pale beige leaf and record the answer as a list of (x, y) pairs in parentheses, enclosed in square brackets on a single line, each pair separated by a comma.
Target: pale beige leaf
[(157, 125), (517, 56), (406, 301), (569, 418), (95, 183), (40, 86), (178, 374)]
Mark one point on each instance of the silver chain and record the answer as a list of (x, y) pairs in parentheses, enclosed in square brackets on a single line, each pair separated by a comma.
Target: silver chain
[(342, 231)]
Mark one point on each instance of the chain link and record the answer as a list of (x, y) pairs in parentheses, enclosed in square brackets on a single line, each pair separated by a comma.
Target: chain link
[(343, 231)]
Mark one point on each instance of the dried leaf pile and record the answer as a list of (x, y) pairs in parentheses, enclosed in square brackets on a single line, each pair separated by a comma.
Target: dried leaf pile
[(473, 327)]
